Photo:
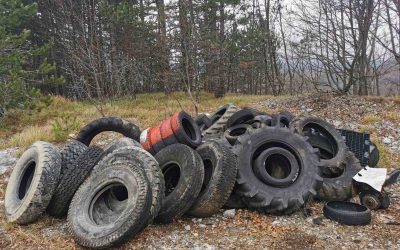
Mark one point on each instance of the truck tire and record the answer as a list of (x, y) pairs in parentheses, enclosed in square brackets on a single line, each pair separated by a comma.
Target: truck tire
[(219, 119), (220, 168), (32, 183), (72, 178), (268, 197), (183, 172), (111, 206)]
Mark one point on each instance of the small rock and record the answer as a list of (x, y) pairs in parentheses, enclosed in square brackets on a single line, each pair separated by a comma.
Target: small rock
[(202, 226), (309, 110), (196, 235), (229, 213), (187, 227), (318, 220), (387, 140), (275, 222)]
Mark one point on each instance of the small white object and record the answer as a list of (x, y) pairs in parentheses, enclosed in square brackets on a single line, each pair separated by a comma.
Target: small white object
[(187, 227), (229, 213), (387, 140), (374, 177), (143, 136)]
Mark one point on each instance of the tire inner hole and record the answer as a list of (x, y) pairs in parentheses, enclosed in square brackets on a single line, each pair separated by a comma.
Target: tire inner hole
[(188, 128), (172, 174), (278, 166), (208, 171), (323, 133), (238, 131), (109, 204), (26, 180)]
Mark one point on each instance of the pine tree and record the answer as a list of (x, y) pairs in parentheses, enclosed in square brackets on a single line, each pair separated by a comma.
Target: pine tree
[(17, 77)]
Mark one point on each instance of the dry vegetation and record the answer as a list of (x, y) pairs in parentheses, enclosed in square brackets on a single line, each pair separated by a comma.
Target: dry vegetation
[(20, 129)]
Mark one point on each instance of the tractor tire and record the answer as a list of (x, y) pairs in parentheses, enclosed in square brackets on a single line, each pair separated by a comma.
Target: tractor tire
[(219, 120)]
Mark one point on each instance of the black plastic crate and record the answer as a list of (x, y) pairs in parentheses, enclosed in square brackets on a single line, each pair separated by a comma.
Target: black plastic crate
[(358, 143)]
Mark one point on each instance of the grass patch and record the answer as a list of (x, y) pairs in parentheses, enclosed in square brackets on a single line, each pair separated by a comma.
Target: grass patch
[(369, 119), (64, 117)]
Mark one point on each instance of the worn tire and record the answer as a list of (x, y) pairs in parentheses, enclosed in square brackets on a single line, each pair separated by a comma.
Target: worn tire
[(96, 218), (263, 196), (233, 133), (183, 171), (347, 213), (219, 119), (113, 124), (69, 153), (385, 200), (220, 168), (303, 126), (153, 173), (120, 143), (203, 121), (340, 188), (240, 117), (72, 178), (32, 183)]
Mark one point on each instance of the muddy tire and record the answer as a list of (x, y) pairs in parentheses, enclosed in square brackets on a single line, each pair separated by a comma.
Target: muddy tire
[(203, 122), (220, 168), (240, 117), (266, 196), (339, 187), (120, 143), (112, 124), (152, 170), (32, 183), (72, 178), (111, 206), (219, 119), (183, 171), (69, 153), (312, 124)]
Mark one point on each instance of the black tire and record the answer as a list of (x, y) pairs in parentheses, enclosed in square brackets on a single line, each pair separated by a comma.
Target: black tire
[(183, 171), (288, 117), (240, 117), (69, 153), (32, 183), (260, 121), (373, 156), (120, 143), (111, 206), (219, 119), (370, 199), (203, 121), (72, 178), (220, 168), (235, 201), (151, 168), (112, 124), (233, 133), (312, 124), (339, 186), (188, 132), (347, 213), (269, 198)]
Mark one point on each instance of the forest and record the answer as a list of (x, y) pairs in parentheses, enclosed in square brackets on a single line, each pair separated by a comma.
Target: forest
[(85, 49)]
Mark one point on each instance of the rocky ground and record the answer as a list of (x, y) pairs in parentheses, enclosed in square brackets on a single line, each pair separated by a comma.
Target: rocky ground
[(246, 229)]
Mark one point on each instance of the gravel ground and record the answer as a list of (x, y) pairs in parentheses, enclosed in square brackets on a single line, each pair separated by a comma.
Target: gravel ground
[(246, 229)]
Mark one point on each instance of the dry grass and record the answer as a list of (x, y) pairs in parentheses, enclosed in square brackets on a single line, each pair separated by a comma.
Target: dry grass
[(369, 119), (20, 129)]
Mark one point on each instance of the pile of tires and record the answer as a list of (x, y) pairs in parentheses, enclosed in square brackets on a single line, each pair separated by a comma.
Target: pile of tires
[(272, 163)]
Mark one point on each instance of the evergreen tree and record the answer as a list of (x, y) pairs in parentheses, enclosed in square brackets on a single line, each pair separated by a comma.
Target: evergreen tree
[(17, 75)]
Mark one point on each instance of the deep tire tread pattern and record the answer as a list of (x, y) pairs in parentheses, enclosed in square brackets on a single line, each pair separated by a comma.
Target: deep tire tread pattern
[(219, 126), (72, 178), (221, 184)]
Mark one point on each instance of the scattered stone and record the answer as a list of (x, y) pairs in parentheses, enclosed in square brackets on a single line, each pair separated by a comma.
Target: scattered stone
[(275, 222), (202, 226), (229, 213), (387, 140), (187, 227), (318, 221), (7, 161)]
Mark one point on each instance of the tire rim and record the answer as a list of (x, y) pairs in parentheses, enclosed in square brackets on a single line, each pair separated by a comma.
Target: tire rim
[(371, 202), (277, 167), (172, 174), (109, 203)]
